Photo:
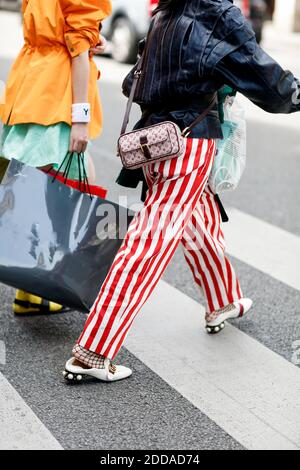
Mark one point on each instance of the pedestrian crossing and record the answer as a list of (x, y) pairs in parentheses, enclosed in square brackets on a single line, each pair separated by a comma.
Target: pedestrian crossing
[(249, 391)]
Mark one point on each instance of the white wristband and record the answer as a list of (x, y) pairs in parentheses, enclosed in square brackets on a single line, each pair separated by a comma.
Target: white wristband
[(81, 112)]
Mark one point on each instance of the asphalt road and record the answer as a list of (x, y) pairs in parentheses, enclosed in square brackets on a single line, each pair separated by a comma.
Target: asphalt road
[(146, 412)]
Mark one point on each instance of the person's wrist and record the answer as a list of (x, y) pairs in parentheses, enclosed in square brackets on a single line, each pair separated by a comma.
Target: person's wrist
[(81, 113)]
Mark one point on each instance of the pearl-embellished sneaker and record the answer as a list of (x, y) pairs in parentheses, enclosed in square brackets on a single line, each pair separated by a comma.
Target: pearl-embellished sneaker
[(215, 321)]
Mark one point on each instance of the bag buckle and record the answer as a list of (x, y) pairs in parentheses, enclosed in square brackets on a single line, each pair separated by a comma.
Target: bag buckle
[(145, 147)]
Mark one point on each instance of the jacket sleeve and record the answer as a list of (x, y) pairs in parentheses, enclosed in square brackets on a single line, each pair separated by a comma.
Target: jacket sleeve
[(82, 22), (252, 72)]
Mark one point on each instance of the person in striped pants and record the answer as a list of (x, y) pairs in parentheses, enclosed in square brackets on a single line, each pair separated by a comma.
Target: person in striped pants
[(179, 207), (194, 48)]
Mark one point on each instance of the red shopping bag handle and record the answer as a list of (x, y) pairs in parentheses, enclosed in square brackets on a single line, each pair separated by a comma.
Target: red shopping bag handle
[(82, 177), (82, 184), (98, 191)]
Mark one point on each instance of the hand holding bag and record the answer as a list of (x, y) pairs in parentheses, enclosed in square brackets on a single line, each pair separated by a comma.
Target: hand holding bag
[(82, 183)]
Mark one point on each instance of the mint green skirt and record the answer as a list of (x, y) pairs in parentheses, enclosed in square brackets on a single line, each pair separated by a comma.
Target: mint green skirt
[(38, 146)]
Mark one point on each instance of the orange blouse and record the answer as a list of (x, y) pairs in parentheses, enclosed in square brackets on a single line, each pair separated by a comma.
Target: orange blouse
[(39, 87)]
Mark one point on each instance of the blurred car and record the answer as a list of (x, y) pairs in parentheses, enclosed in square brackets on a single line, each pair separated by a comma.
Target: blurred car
[(130, 21), (127, 25), (14, 5)]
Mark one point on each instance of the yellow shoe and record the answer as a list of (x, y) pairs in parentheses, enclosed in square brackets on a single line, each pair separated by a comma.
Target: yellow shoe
[(27, 304)]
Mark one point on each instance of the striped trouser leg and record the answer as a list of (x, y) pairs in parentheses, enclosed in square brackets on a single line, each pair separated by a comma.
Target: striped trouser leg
[(204, 250), (175, 186)]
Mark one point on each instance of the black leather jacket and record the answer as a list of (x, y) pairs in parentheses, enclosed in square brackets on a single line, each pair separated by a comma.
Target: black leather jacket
[(195, 49)]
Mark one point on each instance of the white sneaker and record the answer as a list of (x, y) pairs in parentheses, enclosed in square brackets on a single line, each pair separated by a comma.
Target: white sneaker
[(110, 372), (215, 322)]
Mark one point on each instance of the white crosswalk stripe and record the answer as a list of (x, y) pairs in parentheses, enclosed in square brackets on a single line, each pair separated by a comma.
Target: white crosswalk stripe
[(20, 428), (270, 249)]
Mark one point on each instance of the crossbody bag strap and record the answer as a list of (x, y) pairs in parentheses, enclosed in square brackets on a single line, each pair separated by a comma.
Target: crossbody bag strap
[(211, 105), (187, 130), (137, 74)]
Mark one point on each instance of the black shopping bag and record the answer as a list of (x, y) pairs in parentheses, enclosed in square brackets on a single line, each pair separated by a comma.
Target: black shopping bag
[(55, 241)]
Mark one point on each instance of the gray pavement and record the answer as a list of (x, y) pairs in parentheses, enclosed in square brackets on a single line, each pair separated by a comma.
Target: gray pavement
[(146, 412)]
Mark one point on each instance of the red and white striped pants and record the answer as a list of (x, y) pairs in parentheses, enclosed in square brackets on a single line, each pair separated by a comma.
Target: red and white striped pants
[(179, 207)]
